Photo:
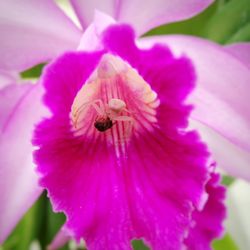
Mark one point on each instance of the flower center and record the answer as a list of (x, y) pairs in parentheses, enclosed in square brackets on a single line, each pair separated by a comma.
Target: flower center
[(110, 113), (115, 103)]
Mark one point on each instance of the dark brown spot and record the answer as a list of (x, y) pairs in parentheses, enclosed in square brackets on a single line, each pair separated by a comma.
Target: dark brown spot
[(103, 123)]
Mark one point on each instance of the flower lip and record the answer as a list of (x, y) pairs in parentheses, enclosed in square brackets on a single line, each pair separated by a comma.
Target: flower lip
[(109, 197)]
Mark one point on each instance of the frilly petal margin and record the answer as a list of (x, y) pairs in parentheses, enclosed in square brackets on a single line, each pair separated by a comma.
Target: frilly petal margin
[(21, 108), (33, 32), (221, 96), (142, 15), (241, 51), (110, 200), (208, 221)]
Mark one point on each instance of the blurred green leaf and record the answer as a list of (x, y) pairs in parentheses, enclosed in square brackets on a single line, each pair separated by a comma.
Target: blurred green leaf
[(33, 72), (28, 228), (227, 21), (226, 243), (39, 223), (243, 34), (139, 245), (227, 180), (192, 26), (54, 223)]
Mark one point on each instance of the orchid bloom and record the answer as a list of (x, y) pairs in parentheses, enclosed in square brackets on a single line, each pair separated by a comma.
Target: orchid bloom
[(114, 154)]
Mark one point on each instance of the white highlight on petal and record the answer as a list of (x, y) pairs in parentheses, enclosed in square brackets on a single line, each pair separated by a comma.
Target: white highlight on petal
[(238, 221)]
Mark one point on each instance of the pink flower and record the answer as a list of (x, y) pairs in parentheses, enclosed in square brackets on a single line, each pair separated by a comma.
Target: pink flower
[(128, 196), (114, 150)]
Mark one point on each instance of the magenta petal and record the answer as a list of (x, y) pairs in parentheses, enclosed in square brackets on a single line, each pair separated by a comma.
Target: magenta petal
[(108, 201), (142, 16), (33, 32), (241, 51), (208, 222), (112, 191), (20, 110), (221, 97)]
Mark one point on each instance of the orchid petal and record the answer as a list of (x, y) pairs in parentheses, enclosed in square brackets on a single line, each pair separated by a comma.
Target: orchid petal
[(91, 38), (33, 32), (229, 157), (20, 110), (7, 77), (238, 222), (142, 15), (221, 97), (241, 51)]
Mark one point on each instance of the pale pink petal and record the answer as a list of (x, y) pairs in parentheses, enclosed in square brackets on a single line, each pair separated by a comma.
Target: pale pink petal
[(91, 38), (142, 15), (238, 221), (20, 110), (232, 159), (222, 95), (241, 51), (7, 77), (33, 32)]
